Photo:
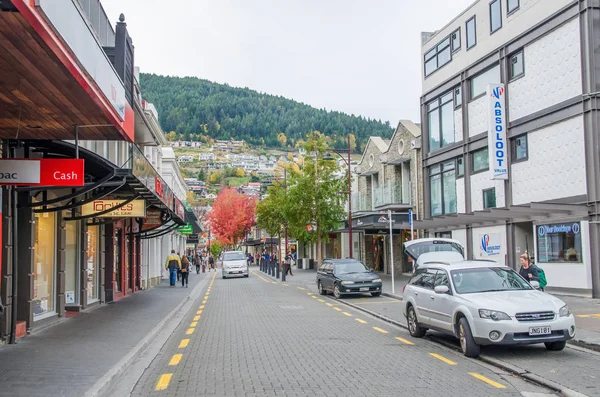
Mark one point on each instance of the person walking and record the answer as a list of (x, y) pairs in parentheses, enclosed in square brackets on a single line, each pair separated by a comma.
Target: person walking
[(179, 270), (211, 263), (527, 271), (197, 262), (288, 261), (185, 271), (173, 264)]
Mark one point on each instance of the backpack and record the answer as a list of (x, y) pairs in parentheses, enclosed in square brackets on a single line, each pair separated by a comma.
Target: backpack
[(185, 260), (542, 275)]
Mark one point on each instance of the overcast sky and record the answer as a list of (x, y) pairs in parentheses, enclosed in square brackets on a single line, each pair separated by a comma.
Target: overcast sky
[(357, 56)]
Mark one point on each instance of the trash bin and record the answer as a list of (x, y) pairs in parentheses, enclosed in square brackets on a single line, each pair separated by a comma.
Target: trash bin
[(311, 263), (299, 262)]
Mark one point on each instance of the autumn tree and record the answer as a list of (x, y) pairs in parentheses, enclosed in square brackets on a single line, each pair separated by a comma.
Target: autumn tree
[(240, 173), (282, 139), (232, 216), (171, 136)]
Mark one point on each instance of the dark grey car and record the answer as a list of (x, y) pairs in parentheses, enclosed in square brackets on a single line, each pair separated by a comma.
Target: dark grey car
[(347, 277)]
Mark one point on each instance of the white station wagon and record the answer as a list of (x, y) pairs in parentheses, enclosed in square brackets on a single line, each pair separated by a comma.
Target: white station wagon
[(479, 302)]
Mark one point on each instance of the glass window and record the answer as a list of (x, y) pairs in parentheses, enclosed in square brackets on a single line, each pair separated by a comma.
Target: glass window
[(480, 82), (449, 189), (457, 97), (440, 124), (511, 5), (487, 279), (447, 123), (441, 278), (481, 160), (520, 148), (71, 267), (428, 279), (436, 195), (434, 129), (456, 40), (489, 198), (460, 167), (439, 56), (44, 265), (443, 234), (92, 264), (350, 267), (234, 256), (444, 53), (442, 182), (417, 279), (471, 33), (559, 243), (517, 66), (495, 15)]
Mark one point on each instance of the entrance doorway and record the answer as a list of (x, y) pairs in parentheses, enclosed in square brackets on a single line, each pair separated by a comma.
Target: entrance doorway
[(379, 254), (117, 259)]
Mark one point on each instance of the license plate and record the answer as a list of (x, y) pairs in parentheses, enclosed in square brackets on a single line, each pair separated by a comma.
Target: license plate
[(364, 289), (534, 331)]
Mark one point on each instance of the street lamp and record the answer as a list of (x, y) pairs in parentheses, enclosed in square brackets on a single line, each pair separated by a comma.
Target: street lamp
[(349, 192)]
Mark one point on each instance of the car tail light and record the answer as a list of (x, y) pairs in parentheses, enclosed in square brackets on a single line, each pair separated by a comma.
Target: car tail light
[(403, 288)]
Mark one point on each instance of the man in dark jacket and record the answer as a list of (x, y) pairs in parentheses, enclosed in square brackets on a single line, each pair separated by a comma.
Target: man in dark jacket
[(173, 265)]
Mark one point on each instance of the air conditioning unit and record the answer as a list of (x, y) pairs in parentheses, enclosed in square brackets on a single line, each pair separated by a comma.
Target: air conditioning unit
[(415, 144)]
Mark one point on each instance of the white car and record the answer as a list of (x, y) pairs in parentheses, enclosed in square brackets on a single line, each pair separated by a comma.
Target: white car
[(479, 302), (234, 264)]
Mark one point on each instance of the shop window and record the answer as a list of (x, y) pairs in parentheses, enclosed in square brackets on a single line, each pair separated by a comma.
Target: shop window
[(440, 121), (93, 271), (511, 6), (480, 82), (520, 148), (481, 160), (489, 198), (44, 281), (517, 65), (71, 265), (559, 243), (495, 15), (442, 182), (471, 33)]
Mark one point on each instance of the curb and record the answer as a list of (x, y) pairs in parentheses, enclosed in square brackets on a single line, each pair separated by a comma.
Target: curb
[(117, 370), (564, 391)]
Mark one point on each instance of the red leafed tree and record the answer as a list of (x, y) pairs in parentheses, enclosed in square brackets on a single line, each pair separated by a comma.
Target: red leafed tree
[(232, 216)]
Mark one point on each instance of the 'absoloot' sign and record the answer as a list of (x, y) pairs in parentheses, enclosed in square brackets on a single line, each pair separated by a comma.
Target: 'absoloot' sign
[(497, 143)]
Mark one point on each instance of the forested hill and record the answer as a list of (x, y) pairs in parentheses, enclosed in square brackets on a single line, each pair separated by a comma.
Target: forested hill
[(199, 109)]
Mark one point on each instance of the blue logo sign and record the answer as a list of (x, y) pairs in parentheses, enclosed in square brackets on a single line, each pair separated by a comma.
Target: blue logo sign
[(497, 143), (575, 228), (489, 247), (410, 217)]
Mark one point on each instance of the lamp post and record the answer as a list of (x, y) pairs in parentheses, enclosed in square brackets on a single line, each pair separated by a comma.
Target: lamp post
[(349, 192)]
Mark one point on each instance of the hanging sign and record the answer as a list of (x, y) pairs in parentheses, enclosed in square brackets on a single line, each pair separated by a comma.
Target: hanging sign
[(497, 143), (153, 219), (187, 229), (179, 209), (42, 172), (134, 209)]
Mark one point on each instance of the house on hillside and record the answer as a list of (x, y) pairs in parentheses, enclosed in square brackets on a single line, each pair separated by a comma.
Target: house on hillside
[(206, 156)]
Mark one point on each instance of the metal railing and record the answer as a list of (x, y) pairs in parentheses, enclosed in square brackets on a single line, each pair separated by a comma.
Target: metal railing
[(388, 195), (97, 18)]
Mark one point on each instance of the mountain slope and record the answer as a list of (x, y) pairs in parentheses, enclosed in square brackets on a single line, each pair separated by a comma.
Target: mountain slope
[(199, 109)]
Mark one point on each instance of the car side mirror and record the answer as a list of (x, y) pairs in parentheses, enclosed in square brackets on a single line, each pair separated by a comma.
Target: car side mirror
[(535, 284), (441, 289)]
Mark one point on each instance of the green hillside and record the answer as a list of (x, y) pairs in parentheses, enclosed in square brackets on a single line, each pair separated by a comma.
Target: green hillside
[(199, 109)]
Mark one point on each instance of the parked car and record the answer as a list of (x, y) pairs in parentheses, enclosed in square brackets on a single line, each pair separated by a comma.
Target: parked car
[(234, 264), (481, 303), (346, 277)]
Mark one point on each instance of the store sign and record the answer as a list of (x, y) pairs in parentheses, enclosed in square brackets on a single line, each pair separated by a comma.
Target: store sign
[(179, 209), (42, 172), (187, 229), (559, 228), (158, 186), (490, 244), (497, 143), (133, 209), (153, 219)]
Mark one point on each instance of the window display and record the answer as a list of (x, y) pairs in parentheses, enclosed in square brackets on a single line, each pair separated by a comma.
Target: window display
[(92, 264), (71, 267), (559, 243), (44, 265)]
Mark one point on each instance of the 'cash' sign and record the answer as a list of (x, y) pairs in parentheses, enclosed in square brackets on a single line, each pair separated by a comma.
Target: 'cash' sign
[(497, 143)]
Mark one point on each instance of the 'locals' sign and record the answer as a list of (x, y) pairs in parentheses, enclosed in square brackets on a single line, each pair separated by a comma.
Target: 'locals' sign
[(497, 143)]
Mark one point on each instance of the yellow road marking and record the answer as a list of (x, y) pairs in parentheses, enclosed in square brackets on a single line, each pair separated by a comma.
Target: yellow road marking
[(360, 321), (196, 318), (204, 302), (274, 282), (404, 341), (163, 382), (329, 304), (347, 314), (338, 309), (190, 331), (487, 380), (175, 359), (206, 296), (321, 300), (301, 289), (199, 312), (201, 307), (314, 297), (184, 343), (441, 358), (383, 331), (309, 293), (588, 315), (194, 324)]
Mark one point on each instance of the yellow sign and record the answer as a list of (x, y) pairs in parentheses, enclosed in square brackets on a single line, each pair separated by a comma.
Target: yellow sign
[(133, 209)]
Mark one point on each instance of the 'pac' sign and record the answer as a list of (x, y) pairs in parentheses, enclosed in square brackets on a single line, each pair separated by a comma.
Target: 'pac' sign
[(497, 143)]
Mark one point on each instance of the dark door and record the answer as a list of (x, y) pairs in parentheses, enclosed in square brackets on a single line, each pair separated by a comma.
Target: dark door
[(117, 260)]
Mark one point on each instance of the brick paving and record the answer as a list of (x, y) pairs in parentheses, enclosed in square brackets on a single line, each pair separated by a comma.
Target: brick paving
[(69, 358), (258, 337)]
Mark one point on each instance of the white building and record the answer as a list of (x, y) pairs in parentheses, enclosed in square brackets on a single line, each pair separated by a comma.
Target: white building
[(545, 55), (207, 156)]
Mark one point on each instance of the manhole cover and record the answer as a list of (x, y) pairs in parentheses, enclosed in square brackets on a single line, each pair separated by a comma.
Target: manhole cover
[(291, 307)]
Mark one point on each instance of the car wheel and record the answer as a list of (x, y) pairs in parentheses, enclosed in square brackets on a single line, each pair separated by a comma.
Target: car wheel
[(555, 346), (376, 294), (467, 343), (321, 289), (224, 277), (246, 275), (336, 291), (414, 328)]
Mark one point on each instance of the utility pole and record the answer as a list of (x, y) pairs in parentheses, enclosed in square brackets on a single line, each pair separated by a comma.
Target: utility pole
[(349, 202)]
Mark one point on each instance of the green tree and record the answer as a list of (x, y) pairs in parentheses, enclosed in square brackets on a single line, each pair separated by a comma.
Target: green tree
[(201, 175), (270, 212), (315, 205), (171, 136), (216, 248)]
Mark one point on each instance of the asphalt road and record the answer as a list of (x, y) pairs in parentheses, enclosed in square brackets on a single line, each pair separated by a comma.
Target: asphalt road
[(256, 337)]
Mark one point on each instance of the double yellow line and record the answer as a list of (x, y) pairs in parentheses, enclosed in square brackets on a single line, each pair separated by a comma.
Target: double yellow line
[(165, 379)]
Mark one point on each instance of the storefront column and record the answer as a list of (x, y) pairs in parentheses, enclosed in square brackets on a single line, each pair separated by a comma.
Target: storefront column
[(109, 261), (83, 269), (6, 276), (61, 256), (25, 276), (102, 265)]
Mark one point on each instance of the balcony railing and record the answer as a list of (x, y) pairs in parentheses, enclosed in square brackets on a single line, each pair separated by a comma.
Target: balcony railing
[(390, 194), (360, 203)]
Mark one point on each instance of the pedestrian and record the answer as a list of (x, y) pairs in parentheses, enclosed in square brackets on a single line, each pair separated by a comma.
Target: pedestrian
[(179, 271), (185, 271), (528, 272), (173, 264), (211, 263), (288, 260), (197, 262)]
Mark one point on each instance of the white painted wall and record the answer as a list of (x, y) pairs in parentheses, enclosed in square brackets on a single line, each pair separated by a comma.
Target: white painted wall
[(531, 12), (482, 181), (556, 165), (570, 275), (552, 72), (478, 116), (458, 125), (461, 207), (476, 243), (461, 236)]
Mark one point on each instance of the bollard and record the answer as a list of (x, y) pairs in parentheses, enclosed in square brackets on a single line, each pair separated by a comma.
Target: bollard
[(283, 271), (277, 269)]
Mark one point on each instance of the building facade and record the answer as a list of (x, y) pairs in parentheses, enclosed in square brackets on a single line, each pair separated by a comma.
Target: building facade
[(509, 116)]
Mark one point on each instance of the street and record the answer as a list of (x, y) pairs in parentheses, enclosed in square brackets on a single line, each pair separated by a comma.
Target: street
[(260, 337)]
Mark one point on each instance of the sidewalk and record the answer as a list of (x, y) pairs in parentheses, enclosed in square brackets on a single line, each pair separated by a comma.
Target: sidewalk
[(67, 359), (586, 310)]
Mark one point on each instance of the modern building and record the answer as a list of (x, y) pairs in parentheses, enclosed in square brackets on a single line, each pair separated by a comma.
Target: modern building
[(510, 138)]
